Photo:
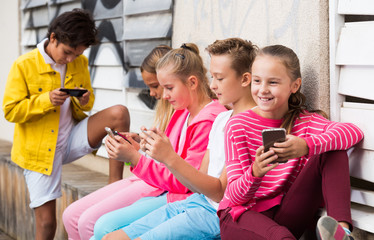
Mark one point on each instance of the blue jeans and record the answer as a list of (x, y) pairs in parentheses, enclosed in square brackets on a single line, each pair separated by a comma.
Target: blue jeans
[(192, 218), (120, 218)]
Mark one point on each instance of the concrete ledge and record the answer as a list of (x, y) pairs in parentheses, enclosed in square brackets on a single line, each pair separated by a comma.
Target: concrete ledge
[(17, 219)]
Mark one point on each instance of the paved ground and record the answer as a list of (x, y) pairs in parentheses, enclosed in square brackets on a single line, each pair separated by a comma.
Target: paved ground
[(3, 236)]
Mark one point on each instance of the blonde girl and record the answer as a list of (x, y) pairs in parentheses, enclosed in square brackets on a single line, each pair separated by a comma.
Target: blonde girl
[(182, 75), (196, 217)]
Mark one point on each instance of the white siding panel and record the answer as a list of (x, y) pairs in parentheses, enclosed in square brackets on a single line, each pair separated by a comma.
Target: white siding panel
[(364, 119), (355, 44), (107, 56), (360, 196), (107, 98), (147, 6), (134, 102), (361, 164), (148, 26), (140, 118), (363, 217), (360, 7), (109, 78), (29, 38), (353, 78), (55, 10), (37, 17), (33, 4)]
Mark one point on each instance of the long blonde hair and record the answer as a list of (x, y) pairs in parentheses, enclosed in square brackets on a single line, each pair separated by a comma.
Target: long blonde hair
[(164, 110), (184, 62)]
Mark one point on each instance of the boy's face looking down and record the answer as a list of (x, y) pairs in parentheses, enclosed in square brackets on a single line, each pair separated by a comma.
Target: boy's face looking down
[(62, 53)]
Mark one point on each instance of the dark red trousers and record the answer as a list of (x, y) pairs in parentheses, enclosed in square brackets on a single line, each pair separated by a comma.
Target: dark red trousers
[(324, 179)]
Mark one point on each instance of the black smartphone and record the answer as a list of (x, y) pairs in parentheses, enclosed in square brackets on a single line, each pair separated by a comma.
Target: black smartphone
[(75, 92), (272, 135)]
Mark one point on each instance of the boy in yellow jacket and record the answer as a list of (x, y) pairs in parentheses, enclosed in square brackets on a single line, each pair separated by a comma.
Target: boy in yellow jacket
[(51, 126)]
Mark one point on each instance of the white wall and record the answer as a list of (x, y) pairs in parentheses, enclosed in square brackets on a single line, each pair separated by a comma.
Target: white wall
[(299, 24), (9, 51)]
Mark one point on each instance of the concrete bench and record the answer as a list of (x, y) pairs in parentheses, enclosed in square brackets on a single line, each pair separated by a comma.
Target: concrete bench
[(16, 218)]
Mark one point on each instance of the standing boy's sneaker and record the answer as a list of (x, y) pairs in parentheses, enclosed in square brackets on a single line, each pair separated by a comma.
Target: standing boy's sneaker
[(329, 229)]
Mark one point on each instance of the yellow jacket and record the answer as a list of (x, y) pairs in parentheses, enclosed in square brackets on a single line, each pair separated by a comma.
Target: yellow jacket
[(26, 103)]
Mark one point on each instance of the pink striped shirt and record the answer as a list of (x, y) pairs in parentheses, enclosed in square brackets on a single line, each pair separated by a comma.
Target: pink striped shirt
[(243, 137)]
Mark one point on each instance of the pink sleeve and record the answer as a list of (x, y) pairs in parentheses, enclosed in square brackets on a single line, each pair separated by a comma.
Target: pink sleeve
[(242, 185), (334, 136), (158, 175)]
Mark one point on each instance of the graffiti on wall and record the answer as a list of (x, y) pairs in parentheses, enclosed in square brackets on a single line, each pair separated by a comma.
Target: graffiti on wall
[(127, 48)]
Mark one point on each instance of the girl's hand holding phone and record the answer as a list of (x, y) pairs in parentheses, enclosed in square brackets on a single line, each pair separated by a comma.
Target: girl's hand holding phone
[(156, 144), (120, 149), (293, 147), (264, 162), (134, 136)]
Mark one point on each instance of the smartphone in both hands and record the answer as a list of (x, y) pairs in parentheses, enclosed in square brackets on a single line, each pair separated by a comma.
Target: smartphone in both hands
[(74, 92), (112, 133), (272, 135)]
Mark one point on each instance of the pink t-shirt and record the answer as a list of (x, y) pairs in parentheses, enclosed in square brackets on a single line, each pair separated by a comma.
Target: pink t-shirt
[(243, 138)]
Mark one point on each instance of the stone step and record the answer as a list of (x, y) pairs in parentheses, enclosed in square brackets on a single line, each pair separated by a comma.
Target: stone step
[(4, 236), (17, 219)]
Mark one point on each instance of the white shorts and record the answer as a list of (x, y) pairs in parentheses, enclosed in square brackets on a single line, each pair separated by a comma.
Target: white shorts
[(44, 188)]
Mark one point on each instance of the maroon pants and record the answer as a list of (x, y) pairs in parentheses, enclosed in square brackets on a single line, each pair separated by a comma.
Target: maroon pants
[(324, 179)]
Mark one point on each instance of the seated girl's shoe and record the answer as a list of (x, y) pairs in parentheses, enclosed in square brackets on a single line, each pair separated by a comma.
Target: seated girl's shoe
[(329, 229)]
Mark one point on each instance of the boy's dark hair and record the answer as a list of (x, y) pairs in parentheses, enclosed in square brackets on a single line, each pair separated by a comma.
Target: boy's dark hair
[(74, 28)]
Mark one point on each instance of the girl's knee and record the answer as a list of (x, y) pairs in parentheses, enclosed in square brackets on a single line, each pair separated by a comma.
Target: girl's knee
[(102, 227), (86, 223)]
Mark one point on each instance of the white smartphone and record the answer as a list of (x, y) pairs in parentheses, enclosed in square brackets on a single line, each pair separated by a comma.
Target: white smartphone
[(113, 133), (109, 131)]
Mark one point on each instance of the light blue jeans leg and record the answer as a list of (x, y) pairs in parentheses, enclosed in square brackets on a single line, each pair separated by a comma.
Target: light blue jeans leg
[(192, 218), (120, 218)]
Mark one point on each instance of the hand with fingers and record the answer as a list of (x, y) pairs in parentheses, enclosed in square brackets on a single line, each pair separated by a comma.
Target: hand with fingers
[(58, 97), (264, 162), (120, 149), (156, 144), (85, 98), (293, 147)]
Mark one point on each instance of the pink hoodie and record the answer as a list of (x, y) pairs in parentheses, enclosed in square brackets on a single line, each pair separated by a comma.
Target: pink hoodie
[(196, 142)]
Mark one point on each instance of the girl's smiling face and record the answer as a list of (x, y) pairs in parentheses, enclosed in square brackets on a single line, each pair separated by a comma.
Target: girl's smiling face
[(272, 86), (175, 91)]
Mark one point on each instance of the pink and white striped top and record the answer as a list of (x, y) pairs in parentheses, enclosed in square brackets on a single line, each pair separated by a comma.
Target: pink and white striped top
[(243, 137)]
